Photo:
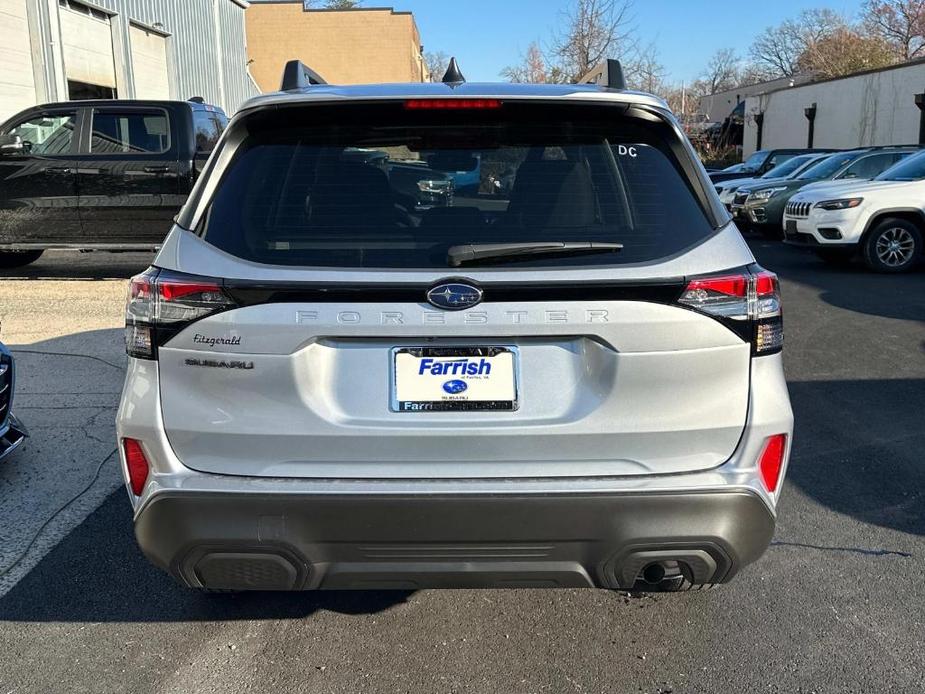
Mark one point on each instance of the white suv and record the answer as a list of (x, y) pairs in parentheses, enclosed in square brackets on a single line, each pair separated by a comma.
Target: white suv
[(573, 382), (882, 219)]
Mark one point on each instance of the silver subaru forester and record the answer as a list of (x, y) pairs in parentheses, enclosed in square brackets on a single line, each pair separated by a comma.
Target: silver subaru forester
[(453, 335)]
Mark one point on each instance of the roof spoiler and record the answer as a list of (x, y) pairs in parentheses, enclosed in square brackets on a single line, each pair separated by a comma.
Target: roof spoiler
[(606, 74), (297, 75)]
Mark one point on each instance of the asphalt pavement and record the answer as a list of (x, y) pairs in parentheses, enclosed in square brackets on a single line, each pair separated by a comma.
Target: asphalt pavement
[(836, 605)]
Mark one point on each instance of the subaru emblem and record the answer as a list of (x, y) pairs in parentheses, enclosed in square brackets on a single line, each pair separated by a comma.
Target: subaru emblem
[(455, 387), (454, 296)]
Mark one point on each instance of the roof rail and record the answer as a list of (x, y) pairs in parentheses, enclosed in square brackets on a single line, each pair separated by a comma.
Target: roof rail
[(196, 100), (606, 74), (297, 75)]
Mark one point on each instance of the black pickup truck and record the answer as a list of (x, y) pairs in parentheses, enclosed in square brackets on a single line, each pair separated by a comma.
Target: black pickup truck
[(99, 175)]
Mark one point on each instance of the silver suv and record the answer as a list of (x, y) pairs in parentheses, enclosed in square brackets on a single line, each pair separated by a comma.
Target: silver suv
[(573, 379)]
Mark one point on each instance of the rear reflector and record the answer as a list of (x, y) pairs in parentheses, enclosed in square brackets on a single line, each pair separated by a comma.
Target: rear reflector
[(451, 104), (137, 465), (772, 460)]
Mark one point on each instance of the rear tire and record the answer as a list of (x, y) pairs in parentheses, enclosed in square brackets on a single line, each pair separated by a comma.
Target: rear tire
[(894, 246), (13, 259)]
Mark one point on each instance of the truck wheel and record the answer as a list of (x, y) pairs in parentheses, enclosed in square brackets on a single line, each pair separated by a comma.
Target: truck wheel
[(893, 246), (11, 259)]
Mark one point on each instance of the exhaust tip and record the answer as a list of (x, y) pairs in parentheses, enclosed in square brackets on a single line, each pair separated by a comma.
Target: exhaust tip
[(653, 573)]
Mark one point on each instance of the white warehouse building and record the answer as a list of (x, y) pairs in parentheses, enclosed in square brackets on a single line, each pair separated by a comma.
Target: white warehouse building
[(873, 107), (56, 50)]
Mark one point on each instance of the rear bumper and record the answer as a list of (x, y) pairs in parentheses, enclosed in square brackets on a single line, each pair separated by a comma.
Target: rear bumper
[(301, 541)]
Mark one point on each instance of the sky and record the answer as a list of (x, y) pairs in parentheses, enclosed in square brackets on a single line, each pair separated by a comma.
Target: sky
[(487, 35)]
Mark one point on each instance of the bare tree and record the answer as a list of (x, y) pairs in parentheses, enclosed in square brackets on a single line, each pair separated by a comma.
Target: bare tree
[(332, 4), (531, 69), (779, 48), (846, 51), (645, 72), (722, 71), (436, 63), (900, 23), (592, 30)]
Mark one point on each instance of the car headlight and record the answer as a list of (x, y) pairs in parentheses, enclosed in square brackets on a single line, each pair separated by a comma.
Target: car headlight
[(764, 194), (842, 204)]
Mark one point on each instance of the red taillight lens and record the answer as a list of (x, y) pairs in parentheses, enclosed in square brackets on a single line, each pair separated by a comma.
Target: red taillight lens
[(731, 285), (171, 291), (137, 465), (772, 460), (161, 303), (451, 104), (748, 302)]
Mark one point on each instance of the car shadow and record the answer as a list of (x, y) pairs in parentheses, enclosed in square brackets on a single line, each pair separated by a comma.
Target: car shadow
[(857, 449), (862, 463), (98, 574), (72, 265), (851, 287)]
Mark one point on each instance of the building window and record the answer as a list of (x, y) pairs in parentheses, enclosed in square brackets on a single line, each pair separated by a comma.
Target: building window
[(80, 91), (80, 8)]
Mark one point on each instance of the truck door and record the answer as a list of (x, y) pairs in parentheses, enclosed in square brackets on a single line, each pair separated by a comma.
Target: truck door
[(128, 176), (38, 183)]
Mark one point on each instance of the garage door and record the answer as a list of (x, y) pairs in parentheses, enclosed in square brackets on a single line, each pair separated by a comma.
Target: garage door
[(86, 37), (17, 83), (149, 63)]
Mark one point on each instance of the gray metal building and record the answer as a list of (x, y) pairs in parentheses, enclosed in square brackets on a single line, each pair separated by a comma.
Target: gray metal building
[(54, 50)]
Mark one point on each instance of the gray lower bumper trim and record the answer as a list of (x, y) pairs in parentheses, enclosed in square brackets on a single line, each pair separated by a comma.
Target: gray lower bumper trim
[(295, 542)]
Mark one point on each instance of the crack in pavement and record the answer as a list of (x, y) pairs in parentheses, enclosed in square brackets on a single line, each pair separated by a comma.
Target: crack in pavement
[(16, 350), (853, 550)]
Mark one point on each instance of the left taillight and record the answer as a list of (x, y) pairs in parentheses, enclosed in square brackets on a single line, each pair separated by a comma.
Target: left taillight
[(161, 303), (748, 302), (137, 465)]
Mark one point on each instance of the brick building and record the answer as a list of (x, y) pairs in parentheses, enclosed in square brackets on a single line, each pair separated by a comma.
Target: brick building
[(362, 45)]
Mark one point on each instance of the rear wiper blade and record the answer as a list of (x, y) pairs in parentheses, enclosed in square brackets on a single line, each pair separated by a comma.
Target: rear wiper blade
[(469, 252)]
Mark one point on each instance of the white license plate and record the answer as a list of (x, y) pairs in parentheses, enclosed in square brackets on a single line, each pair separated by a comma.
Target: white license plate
[(446, 379)]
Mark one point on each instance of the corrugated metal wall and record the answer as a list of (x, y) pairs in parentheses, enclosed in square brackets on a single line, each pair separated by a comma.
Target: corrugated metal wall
[(207, 43)]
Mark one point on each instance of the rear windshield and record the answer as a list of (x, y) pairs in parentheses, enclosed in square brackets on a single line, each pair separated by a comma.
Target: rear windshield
[(391, 187)]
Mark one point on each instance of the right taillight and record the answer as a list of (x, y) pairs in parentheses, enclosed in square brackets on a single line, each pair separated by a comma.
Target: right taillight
[(771, 461), (747, 301), (161, 303)]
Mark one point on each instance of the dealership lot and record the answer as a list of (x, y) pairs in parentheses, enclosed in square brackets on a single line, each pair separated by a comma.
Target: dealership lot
[(835, 605)]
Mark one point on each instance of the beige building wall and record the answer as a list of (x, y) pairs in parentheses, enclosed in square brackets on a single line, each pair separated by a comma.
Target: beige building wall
[(344, 46)]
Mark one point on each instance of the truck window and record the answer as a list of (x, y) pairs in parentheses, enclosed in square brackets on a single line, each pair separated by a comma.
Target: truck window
[(207, 130), (130, 132)]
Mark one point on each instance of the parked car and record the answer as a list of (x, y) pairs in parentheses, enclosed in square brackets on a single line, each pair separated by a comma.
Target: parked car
[(12, 432), (521, 391), (789, 169), (760, 162), (882, 220), (417, 187), (99, 175), (761, 207)]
